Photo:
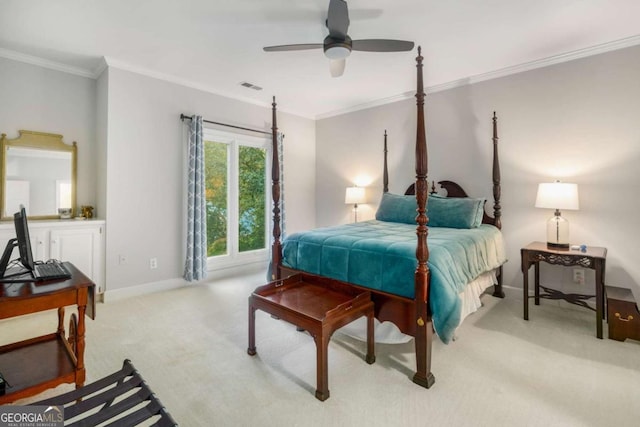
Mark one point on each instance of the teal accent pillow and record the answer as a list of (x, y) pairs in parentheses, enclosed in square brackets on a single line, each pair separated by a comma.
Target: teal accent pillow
[(455, 212), (450, 212), (396, 208)]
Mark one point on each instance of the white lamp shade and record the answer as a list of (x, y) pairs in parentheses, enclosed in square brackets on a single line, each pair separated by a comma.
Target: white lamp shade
[(354, 195), (557, 195)]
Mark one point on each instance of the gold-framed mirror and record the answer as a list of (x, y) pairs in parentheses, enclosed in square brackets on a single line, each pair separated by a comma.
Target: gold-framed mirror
[(39, 172)]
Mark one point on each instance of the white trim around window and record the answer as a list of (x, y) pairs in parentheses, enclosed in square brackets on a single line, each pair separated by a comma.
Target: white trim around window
[(233, 256)]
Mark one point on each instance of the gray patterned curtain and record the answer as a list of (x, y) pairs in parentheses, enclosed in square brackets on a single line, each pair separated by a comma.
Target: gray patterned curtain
[(196, 261), (283, 221)]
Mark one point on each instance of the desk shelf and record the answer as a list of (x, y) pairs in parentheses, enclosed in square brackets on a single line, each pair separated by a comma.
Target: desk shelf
[(35, 365)]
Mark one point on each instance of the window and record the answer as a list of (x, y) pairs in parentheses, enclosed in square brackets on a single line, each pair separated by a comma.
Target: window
[(237, 198)]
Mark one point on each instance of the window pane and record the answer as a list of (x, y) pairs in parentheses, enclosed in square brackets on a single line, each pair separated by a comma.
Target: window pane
[(251, 224), (215, 158)]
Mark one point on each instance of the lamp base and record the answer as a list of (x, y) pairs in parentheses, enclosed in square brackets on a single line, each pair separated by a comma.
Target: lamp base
[(558, 246), (558, 232)]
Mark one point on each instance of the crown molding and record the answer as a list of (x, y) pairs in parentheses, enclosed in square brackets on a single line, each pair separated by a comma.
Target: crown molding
[(111, 62), (366, 105), (114, 63), (106, 62), (541, 63), (503, 72), (97, 72), (45, 63)]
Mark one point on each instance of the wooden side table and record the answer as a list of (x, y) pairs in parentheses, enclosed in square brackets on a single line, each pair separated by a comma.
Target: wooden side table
[(36, 364), (593, 257)]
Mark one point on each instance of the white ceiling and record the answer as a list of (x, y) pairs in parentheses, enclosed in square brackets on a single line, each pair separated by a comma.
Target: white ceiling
[(216, 44)]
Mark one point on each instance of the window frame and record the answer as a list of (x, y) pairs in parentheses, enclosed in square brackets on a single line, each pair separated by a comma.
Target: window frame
[(233, 140)]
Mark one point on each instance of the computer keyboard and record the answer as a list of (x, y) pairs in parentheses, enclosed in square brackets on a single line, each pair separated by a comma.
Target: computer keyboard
[(50, 270)]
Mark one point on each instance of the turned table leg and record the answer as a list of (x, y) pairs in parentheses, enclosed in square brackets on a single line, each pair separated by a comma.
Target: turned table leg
[(61, 321), (80, 344)]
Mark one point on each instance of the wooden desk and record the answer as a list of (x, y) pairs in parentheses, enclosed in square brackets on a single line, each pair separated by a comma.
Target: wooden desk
[(593, 258), (36, 364)]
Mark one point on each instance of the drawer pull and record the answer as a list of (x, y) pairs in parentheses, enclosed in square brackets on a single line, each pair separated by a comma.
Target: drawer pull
[(628, 319)]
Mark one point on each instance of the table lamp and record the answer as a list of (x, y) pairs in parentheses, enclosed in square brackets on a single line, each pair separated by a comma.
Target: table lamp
[(355, 195), (557, 195)]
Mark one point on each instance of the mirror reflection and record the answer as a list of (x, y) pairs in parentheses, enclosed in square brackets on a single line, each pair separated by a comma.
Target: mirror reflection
[(39, 173)]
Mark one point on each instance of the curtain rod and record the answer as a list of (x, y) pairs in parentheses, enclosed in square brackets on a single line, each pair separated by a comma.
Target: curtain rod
[(184, 117)]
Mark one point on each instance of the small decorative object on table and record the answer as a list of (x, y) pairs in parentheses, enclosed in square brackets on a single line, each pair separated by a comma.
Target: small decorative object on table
[(65, 213), (87, 211)]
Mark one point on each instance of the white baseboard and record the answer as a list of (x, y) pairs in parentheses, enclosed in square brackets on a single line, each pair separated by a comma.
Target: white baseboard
[(165, 285), (143, 289)]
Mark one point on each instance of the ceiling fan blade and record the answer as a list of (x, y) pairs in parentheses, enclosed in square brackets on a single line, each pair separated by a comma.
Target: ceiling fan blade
[(338, 19), (287, 47), (381, 45), (336, 66)]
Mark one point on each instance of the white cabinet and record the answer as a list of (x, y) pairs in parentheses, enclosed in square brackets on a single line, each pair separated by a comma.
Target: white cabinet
[(79, 242)]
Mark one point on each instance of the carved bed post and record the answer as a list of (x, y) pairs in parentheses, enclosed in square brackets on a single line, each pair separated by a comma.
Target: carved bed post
[(424, 327), (276, 248), (497, 209), (385, 174)]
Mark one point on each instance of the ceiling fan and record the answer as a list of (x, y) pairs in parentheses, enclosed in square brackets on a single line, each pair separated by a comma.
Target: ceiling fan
[(338, 45)]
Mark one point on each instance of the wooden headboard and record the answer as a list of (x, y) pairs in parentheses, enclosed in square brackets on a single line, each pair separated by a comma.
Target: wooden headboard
[(455, 190)]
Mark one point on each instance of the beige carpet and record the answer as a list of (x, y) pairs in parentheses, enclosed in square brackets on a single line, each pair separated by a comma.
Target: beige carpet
[(190, 344)]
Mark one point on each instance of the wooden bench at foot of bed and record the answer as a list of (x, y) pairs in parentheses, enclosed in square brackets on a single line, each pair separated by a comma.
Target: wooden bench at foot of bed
[(318, 305)]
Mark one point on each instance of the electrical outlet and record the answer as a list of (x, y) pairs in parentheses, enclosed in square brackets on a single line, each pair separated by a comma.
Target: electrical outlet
[(153, 263), (578, 275)]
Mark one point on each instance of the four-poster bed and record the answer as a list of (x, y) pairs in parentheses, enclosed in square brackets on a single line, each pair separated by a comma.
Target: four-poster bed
[(411, 310)]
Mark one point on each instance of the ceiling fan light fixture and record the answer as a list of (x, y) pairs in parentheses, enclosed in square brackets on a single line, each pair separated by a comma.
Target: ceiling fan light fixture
[(337, 52), (338, 45)]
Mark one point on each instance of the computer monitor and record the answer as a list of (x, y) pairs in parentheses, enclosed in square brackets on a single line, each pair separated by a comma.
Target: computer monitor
[(44, 272), (24, 242)]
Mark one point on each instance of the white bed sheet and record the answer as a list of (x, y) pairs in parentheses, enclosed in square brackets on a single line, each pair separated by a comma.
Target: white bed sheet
[(388, 333)]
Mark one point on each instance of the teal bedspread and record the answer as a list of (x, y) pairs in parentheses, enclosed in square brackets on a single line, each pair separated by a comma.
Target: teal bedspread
[(381, 255)]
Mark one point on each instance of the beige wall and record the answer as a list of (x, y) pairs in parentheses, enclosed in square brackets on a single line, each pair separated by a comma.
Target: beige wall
[(576, 121), (132, 156), (36, 98), (146, 145)]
